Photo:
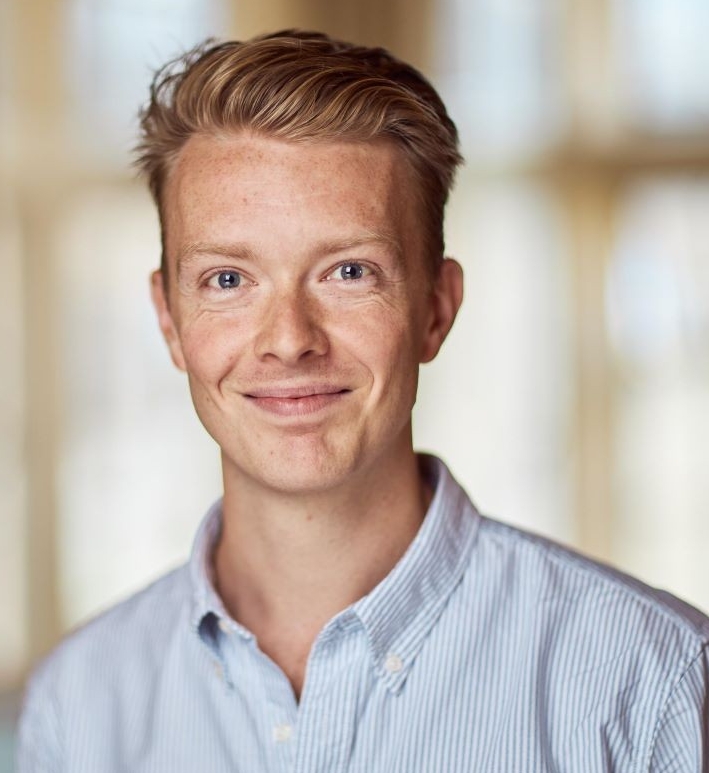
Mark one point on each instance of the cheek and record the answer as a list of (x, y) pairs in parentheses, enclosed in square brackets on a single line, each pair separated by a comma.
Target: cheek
[(387, 346), (400, 355), (210, 347)]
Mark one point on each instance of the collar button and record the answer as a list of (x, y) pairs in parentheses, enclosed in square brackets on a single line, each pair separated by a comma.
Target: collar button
[(393, 663)]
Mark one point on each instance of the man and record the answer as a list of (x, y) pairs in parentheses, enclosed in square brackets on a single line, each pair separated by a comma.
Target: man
[(345, 607)]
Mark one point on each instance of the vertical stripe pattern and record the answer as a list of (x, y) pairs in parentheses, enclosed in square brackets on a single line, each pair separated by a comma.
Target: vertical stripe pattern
[(485, 649)]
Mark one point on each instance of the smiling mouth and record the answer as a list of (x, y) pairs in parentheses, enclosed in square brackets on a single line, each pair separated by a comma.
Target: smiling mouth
[(296, 401)]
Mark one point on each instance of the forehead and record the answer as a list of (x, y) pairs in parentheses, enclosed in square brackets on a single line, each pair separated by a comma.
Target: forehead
[(251, 187)]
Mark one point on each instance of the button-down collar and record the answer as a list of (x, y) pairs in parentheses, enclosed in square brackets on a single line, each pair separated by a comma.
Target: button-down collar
[(399, 612)]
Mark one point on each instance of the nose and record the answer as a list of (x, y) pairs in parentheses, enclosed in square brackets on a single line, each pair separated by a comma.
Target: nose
[(291, 328)]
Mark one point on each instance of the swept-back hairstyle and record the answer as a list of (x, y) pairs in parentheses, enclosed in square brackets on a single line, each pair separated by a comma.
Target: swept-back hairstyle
[(302, 86)]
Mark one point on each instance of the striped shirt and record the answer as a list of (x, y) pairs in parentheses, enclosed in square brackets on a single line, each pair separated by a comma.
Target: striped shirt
[(485, 649)]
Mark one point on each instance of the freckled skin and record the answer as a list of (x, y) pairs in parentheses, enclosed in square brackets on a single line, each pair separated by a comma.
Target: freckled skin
[(285, 217)]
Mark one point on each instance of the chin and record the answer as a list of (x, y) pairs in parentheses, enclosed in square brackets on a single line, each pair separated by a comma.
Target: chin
[(295, 468), (302, 480)]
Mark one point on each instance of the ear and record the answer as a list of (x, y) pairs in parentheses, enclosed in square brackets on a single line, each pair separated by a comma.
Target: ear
[(445, 300), (165, 320)]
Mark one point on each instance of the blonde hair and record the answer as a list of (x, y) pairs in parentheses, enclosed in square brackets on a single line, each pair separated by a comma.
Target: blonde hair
[(303, 86)]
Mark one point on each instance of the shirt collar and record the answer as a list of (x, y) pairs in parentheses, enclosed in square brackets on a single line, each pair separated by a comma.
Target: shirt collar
[(398, 614), (206, 602)]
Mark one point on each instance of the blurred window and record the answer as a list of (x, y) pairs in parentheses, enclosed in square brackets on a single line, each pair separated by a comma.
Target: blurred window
[(601, 439), (114, 46), (12, 462), (497, 66), (7, 65), (13, 622), (662, 58), (658, 313), (505, 373)]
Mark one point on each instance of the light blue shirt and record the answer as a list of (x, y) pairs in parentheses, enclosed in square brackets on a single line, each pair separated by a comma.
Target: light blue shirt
[(485, 649)]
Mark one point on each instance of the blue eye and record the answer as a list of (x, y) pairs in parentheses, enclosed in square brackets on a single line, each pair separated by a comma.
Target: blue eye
[(227, 280), (351, 271)]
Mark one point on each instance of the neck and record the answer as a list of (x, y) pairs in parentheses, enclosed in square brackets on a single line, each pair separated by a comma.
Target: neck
[(285, 564)]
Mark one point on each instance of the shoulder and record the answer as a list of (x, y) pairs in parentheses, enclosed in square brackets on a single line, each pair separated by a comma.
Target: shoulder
[(562, 575), (588, 610), (117, 653), (132, 635), (610, 659), (138, 622)]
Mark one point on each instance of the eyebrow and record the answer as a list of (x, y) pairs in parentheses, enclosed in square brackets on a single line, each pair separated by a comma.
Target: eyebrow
[(370, 238), (193, 250), (238, 250)]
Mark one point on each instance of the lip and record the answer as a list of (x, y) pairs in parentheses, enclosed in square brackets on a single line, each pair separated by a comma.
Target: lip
[(303, 400)]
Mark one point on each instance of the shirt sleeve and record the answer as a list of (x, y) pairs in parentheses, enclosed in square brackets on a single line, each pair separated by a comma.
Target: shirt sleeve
[(38, 738), (681, 740)]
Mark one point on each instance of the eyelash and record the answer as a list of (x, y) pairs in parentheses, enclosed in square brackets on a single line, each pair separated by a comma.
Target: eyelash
[(367, 270), (214, 277), (211, 281)]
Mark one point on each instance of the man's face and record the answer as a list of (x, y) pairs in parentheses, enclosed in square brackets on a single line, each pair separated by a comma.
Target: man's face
[(299, 303)]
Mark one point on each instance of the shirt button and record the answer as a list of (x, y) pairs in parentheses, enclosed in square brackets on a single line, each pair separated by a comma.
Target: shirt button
[(282, 733), (218, 670), (393, 664), (224, 625)]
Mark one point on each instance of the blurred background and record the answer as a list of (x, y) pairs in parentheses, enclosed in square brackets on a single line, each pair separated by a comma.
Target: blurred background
[(573, 395)]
